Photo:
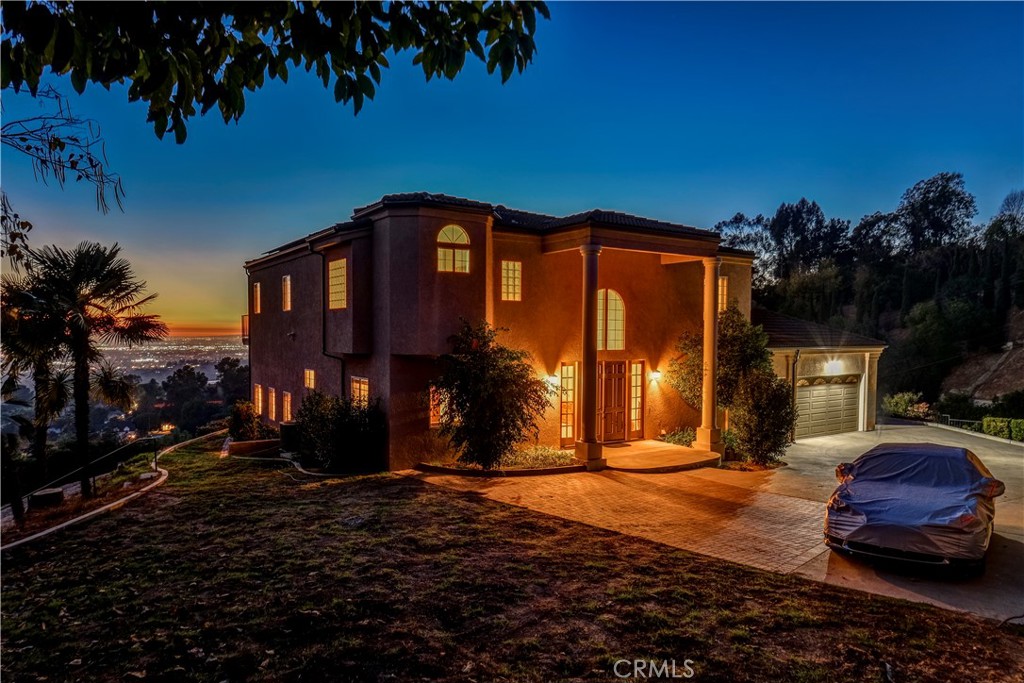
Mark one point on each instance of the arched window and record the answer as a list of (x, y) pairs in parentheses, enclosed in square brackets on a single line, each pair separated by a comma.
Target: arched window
[(452, 250), (611, 321)]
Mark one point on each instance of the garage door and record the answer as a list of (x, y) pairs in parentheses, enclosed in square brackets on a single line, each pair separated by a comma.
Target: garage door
[(827, 409)]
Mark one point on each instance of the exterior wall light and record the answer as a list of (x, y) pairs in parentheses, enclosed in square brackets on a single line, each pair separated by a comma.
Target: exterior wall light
[(655, 375), (834, 367), (554, 380)]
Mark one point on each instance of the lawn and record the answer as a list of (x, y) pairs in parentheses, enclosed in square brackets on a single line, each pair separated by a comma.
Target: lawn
[(237, 570)]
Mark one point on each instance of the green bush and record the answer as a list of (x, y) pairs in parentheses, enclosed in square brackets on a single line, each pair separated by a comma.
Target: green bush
[(905, 404), (959, 407), (1009, 405), (537, 456), (763, 418), (996, 426), (1017, 430), (245, 424), (680, 437), (340, 435)]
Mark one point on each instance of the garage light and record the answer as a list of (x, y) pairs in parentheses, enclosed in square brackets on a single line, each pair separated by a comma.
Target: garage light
[(834, 367)]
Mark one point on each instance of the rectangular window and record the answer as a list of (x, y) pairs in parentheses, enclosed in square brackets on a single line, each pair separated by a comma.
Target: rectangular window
[(309, 379), (286, 406), (636, 398), (337, 284), (360, 390), (255, 297), (567, 409), (286, 293), (257, 398), (271, 404), (723, 292), (450, 260), (511, 281)]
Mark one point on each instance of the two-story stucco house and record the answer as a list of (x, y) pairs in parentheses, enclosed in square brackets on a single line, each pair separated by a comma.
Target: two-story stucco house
[(363, 309)]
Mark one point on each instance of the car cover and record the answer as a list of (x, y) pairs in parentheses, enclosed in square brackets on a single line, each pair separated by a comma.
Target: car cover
[(918, 498)]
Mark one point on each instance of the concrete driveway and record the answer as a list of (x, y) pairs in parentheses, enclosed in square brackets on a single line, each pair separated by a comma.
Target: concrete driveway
[(773, 520)]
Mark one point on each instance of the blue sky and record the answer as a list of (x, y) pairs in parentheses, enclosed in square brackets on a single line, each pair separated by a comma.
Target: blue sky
[(684, 112)]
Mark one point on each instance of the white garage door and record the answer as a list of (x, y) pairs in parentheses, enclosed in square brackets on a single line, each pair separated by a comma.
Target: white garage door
[(827, 409)]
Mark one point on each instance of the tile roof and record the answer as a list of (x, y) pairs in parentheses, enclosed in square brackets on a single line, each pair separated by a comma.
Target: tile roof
[(786, 332)]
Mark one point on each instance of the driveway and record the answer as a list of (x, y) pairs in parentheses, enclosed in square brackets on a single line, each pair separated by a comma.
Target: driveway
[(773, 520)]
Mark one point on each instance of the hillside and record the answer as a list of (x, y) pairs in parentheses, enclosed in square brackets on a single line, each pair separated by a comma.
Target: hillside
[(984, 376)]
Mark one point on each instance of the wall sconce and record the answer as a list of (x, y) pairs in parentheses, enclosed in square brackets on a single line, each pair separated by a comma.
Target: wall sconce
[(834, 367), (553, 380), (655, 375)]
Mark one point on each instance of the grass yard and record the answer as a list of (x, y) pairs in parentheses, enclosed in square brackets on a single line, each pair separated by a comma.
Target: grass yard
[(237, 570)]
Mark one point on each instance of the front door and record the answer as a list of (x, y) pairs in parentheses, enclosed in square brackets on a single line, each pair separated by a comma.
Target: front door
[(611, 408)]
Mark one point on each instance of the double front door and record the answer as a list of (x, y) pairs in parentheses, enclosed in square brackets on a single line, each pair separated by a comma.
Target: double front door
[(620, 401)]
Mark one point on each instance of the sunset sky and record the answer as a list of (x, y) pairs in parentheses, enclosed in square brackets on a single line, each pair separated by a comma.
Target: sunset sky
[(684, 112)]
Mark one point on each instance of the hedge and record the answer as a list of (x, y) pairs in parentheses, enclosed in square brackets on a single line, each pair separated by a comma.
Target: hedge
[(996, 426), (1017, 430)]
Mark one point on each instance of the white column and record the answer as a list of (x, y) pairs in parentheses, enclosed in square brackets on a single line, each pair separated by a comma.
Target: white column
[(709, 436), (587, 448)]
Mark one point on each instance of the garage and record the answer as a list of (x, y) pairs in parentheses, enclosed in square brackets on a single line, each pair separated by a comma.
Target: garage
[(827, 406)]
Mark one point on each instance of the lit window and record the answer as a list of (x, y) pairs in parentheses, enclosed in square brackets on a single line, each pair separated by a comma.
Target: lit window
[(452, 250), (438, 407), (271, 404), (723, 292), (309, 379), (257, 398), (511, 281), (360, 390), (611, 321), (567, 410), (636, 397), (255, 297), (286, 293), (337, 284), (286, 406)]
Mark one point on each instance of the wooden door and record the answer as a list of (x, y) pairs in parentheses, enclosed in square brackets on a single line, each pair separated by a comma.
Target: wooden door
[(612, 400)]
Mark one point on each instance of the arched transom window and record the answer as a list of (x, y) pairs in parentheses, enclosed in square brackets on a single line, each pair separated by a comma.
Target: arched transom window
[(452, 250), (611, 321)]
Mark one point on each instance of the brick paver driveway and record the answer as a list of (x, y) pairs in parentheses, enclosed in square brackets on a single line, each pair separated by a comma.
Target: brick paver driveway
[(773, 520), (764, 530)]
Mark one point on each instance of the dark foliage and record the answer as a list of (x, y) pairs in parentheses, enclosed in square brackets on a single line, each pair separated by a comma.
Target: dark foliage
[(233, 379), (341, 435), (763, 417), (245, 424)]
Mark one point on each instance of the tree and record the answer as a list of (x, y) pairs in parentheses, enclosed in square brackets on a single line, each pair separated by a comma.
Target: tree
[(803, 237), (752, 234), (180, 56), (186, 391), (13, 233), (742, 349), (95, 294), (233, 378), (763, 417), (935, 212), (492, 396)]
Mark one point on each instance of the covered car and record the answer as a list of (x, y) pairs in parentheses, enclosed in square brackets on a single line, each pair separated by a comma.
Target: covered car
[(917, 502)]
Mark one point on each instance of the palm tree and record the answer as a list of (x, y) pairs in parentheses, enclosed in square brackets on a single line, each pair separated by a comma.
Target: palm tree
[(93, 290)]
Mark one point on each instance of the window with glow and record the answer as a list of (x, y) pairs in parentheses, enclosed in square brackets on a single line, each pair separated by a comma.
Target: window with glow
[(337, 284), (567, 409), (611, 321), (257, 398), (360, 390), (636, 396), (511, 281), (271, 404), (723, 292), (255, 297), (437, 407), (286, 293), (286, 406), (309, 379), (452, 250)]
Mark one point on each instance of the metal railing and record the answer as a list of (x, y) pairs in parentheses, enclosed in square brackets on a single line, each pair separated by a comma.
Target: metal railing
[(969, 425)]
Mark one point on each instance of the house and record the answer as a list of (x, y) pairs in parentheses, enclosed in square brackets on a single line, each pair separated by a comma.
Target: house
[(833, 372), (363, 309)]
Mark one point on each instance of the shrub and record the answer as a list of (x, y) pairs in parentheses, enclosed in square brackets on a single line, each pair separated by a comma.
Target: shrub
[(537, 456), (680, 437), (245, 424), (1017, 430), (763, 418), (213, 426), (1009, 405), (492, 396), (904, 404), (959, 407), (996, 426), (341, 435)]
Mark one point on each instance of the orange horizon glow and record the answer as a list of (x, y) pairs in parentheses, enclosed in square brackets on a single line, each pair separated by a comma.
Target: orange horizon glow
[(193, 330)]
